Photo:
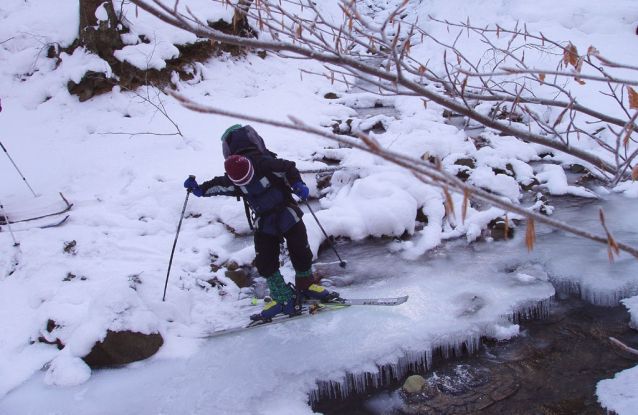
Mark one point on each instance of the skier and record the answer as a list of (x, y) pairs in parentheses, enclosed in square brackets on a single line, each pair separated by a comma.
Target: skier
[(264, 182)]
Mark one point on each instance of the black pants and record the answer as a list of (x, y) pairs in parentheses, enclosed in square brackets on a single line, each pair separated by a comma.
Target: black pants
[(267, 250)]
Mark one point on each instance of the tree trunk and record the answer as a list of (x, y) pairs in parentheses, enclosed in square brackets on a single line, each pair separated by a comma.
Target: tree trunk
[(240, 20), (101, 37)]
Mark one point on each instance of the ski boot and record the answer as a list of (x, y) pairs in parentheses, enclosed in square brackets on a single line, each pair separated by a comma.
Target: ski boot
[(291, 308), (306, 284), (285, 300)]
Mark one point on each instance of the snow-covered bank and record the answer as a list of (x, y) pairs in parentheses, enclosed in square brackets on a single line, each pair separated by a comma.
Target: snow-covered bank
[(125, 180)]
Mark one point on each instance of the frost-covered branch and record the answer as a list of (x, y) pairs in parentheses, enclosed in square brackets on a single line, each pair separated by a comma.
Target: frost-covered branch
[(380, 56)]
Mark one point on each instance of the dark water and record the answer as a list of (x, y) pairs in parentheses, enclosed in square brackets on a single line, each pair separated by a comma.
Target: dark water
[(552, 367)]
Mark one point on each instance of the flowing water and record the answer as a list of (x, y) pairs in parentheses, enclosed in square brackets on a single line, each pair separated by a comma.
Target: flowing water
[(562, 351), (552, 367)]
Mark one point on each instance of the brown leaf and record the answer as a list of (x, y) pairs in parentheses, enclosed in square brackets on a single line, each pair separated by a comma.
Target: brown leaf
[(530, 235), (560, 117), (634, 173), (627, 137), (580, 81), (466, 197), (425, 104), (579, 64), (592, 51), (633, 98), (612, 245), (542, 77), (570, 55), (507, 227), (449, 204)]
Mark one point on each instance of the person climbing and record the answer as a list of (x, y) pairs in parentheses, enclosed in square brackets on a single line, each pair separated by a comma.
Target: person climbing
[(264, 181)]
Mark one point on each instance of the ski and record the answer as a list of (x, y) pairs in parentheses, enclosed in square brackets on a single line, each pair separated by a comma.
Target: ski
[(393, 301), (66, 208), (311, 308)]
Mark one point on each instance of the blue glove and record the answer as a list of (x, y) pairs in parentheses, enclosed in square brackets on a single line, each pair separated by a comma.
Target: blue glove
[(191, 186), (190, 183), (301, 190)]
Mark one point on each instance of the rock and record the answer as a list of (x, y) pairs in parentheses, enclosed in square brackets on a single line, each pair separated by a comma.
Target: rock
[(528, 184), (577, 168), (238, 277), (467, 162), (414, 384), (122, 347), (48, 337), (497, 228)]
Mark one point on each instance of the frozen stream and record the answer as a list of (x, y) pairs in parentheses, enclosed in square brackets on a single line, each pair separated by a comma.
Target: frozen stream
[(458, 293)]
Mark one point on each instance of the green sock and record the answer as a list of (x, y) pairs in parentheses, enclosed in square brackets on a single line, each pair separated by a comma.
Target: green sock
[(279, 290)]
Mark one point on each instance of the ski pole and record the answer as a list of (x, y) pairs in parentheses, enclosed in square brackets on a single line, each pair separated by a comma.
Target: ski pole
[(342, 263), (14, 165), (6, 219), (170, 262)]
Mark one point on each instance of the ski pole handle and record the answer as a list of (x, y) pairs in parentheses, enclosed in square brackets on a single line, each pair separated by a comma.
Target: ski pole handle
[(190, 177)]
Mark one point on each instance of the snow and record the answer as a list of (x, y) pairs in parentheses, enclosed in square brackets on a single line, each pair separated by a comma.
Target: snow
[(108, 157)]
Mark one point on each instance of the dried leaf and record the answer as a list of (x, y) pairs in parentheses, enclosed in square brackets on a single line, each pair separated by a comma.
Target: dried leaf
[(466, 197), (570, 55), (560, 117), (449, 204), (612, 245), (579, 64), (633, 98), (530, 235), (498, 31), (580, 81), (507, 227), (634, 173), (426, 155), (592, 51), (425, 104), (542, 76), (299, 31), (627, 137)]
